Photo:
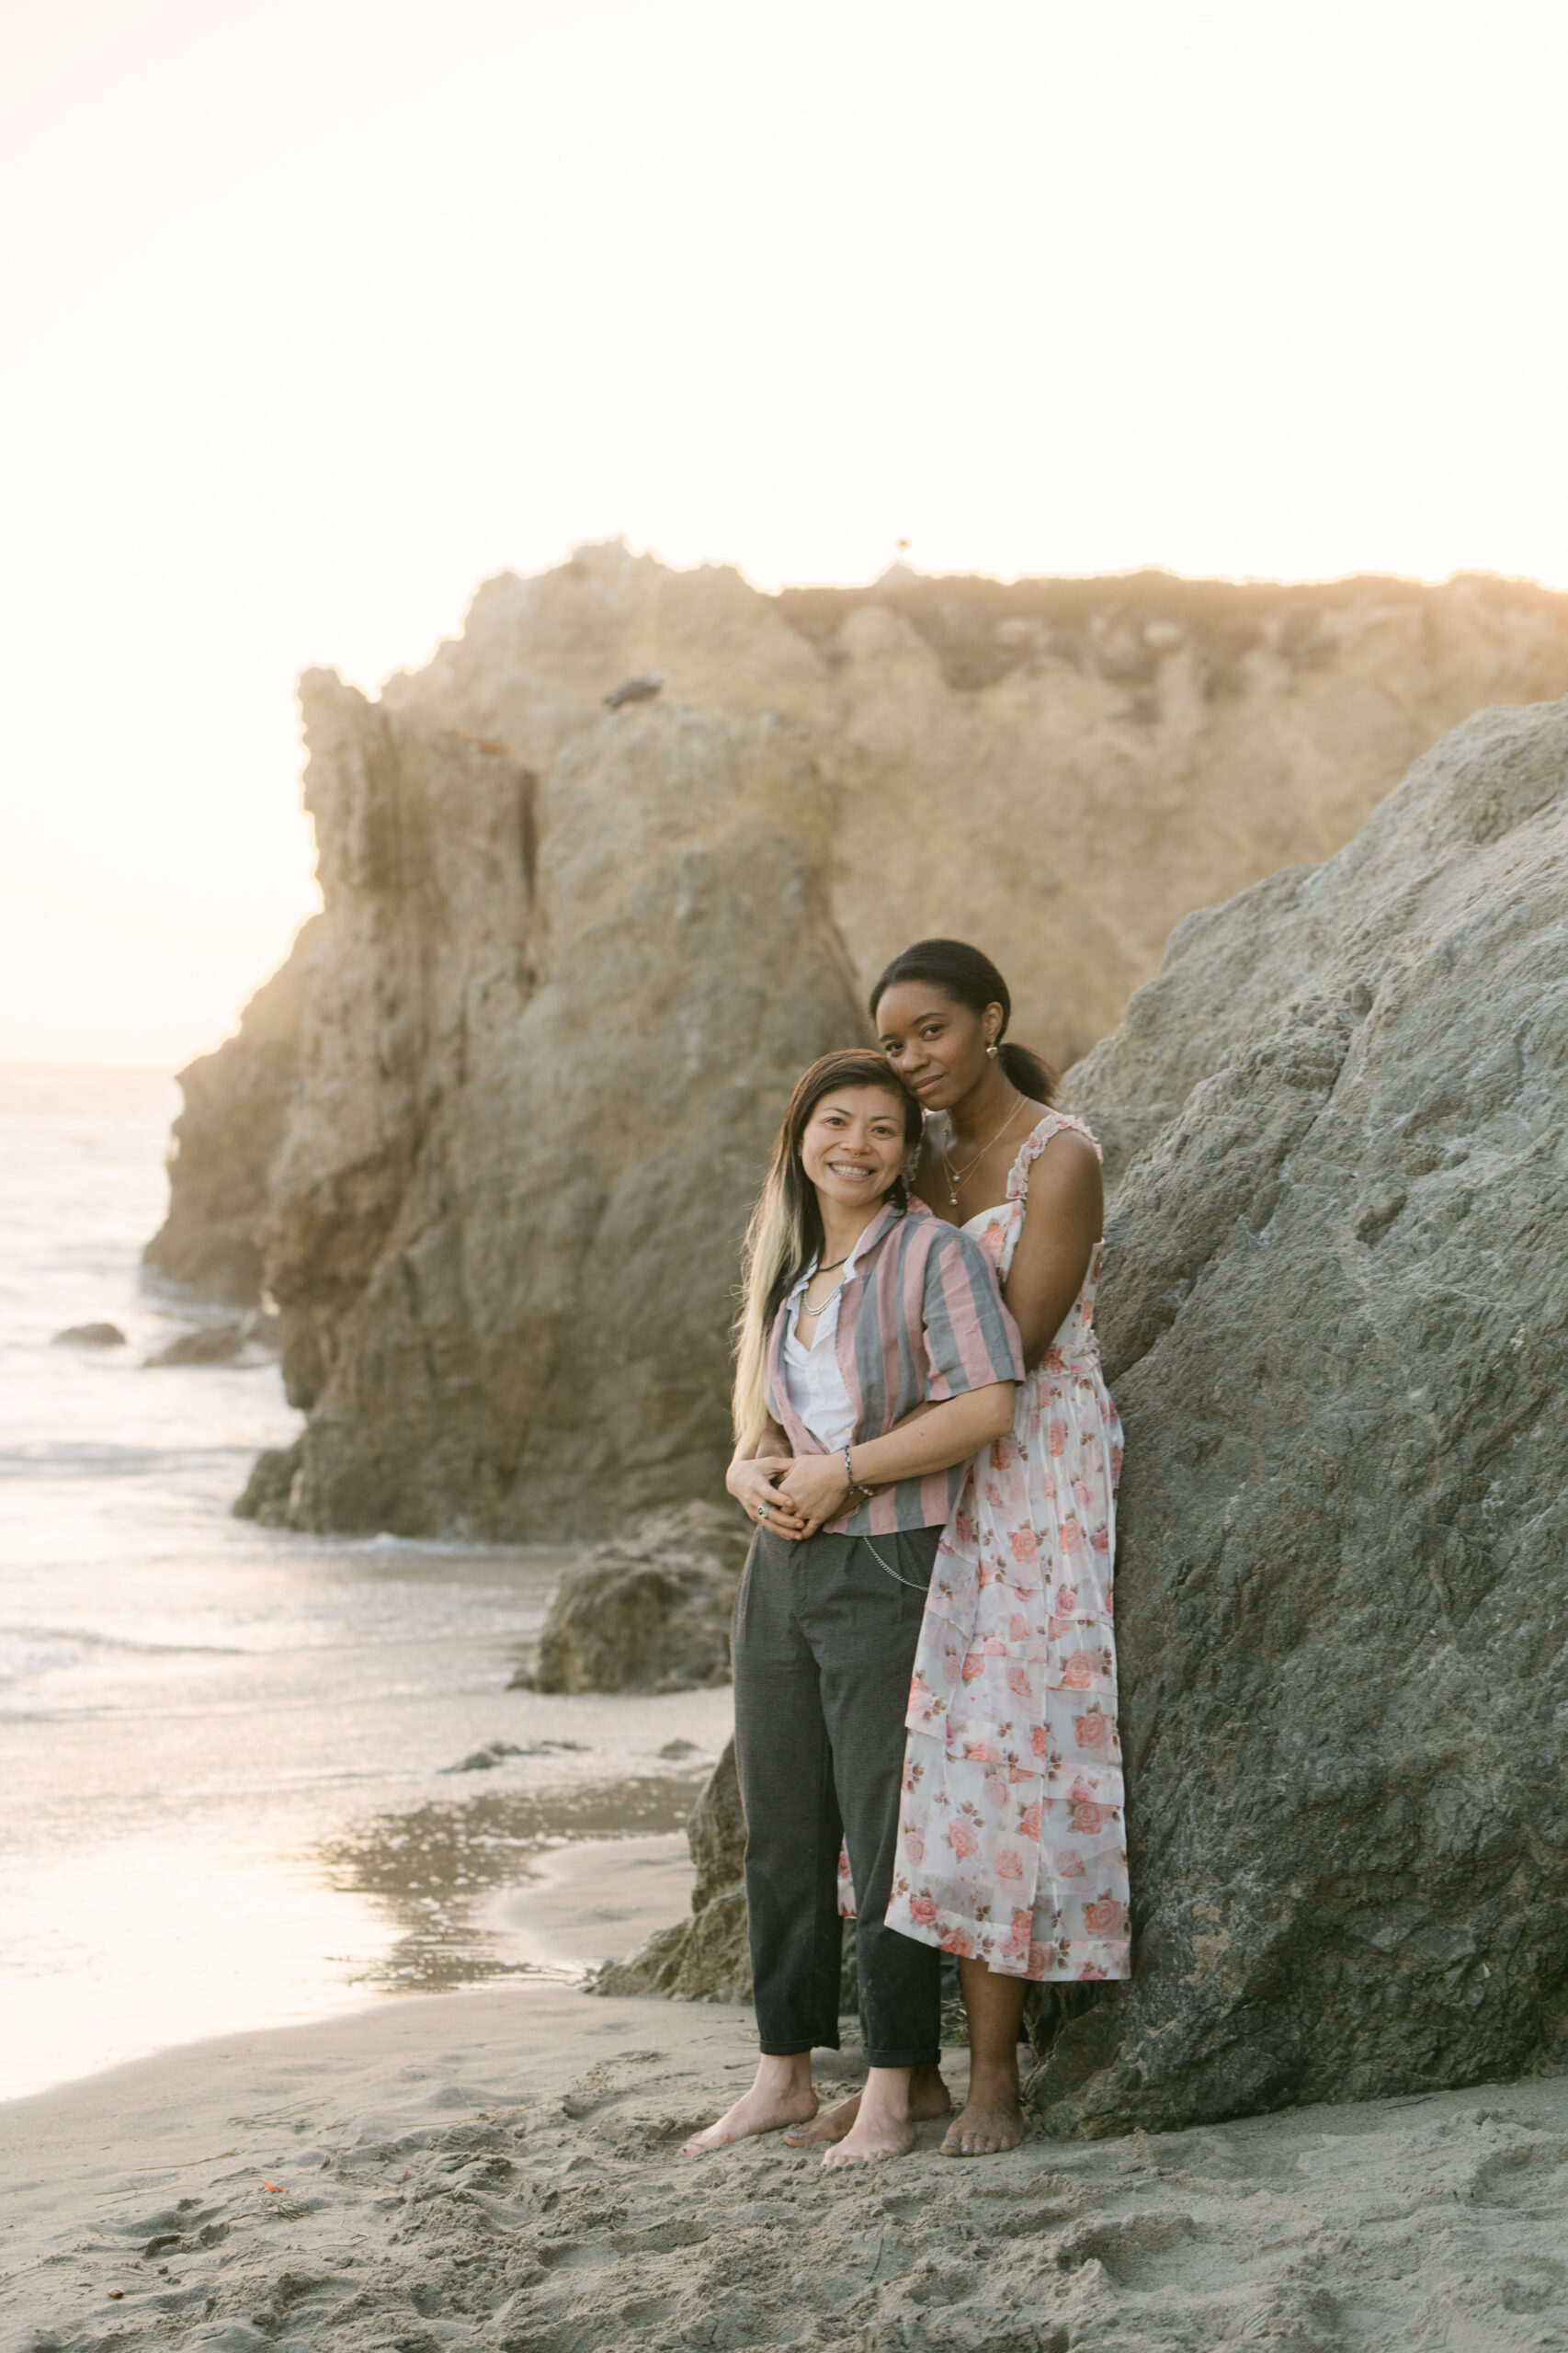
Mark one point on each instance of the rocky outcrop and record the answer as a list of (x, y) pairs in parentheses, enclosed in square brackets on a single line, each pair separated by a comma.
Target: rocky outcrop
[(649, 1611), (1335, 1319), (216, 1343), (490, 1135), (268, 1494), (545, 1050), (1061, 769), (225, 1141)]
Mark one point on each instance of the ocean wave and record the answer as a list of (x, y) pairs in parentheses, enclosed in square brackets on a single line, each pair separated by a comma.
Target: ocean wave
[(90, 1458), (21, 1657), (70, 1641)]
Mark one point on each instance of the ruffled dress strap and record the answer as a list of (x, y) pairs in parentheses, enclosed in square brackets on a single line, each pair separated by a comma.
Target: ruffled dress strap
[(1034, 1143)]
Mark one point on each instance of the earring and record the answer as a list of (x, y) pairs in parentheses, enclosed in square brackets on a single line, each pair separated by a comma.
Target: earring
[(991, 1050)]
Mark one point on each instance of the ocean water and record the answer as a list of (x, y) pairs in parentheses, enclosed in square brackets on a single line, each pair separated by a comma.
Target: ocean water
[(233, 1759)]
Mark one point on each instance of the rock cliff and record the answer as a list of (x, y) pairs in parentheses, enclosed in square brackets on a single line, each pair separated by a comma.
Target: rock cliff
[(542, 1058), (571, 958), (1059, 769), (237, 1102), (1335, 1321)]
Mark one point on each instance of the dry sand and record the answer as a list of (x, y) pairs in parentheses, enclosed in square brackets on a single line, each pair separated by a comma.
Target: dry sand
[(498, 2170)]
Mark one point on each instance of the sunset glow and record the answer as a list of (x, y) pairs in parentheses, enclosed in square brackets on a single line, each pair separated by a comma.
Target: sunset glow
[(322, 315)]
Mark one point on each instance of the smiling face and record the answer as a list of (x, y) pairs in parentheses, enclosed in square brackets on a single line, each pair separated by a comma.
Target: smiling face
[(937, 1047), (854, 1145)]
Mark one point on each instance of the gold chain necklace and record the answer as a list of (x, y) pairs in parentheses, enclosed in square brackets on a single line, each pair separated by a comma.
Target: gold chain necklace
[(955, 1179)]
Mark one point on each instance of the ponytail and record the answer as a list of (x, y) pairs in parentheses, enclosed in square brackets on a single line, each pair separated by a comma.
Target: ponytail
[(1030, 1072), (968, 976)]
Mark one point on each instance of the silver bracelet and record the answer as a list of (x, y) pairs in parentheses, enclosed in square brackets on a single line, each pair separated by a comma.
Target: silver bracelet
[(856, 1492)]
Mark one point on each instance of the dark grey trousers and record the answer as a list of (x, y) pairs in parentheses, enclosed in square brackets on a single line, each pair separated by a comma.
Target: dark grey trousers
[(825, 1646)]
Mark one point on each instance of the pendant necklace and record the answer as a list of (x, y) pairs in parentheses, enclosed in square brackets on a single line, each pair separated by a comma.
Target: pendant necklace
[(805, 1307), (956, 1178)]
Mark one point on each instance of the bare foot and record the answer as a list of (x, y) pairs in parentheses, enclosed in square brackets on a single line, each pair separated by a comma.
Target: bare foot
[(989, 2121), (884, 2127), (929, 2096), (870, 2137), (769, 2103)]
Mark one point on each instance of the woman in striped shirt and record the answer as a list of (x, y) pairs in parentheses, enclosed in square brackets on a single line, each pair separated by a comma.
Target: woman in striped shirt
[(875, 1359), (1013, 1843)]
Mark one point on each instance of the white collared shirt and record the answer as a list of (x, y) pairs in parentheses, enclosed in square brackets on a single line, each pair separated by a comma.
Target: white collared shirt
[(812, 1377)]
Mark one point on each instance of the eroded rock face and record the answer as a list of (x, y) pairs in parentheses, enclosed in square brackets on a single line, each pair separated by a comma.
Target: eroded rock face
[(237, 1102), (545, 1052), (572, 958), (649, 1611), (1060, 769), (1336, 1321)]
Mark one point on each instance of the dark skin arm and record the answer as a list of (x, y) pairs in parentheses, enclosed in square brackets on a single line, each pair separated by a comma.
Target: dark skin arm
[(1064, 1219)]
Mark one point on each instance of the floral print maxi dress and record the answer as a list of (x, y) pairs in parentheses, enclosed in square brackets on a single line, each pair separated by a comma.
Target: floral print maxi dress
[(1012, 1838)]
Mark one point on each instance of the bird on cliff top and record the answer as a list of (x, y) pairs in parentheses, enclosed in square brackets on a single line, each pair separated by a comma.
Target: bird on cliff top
[(637, 690)]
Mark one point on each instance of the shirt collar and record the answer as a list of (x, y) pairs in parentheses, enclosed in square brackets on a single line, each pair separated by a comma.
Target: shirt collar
[(861, 1241)]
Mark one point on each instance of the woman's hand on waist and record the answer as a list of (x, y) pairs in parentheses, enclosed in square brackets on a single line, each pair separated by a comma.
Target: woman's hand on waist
[(754, 1483)]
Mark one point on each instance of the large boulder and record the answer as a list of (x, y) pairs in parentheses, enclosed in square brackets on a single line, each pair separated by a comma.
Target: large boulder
[(544, 1056), (649, 1611), (1335, 1318)]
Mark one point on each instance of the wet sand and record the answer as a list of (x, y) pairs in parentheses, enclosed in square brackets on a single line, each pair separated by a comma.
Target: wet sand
[(498, 2169)]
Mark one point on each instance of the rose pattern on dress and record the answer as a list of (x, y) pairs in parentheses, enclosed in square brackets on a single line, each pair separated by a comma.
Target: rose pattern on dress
[(1011, 1826)]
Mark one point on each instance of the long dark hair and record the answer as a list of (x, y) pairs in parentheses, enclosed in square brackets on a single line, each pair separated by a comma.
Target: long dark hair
[(784, 1233), (968, 976)]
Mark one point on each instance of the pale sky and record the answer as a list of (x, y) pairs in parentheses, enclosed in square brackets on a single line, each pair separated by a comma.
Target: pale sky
[(321, 310)]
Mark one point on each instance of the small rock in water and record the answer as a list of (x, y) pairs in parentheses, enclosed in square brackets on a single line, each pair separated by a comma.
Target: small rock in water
[(495, 1752), (485, 1760), (208, 1344), (673, 1748), (269, 1489), (89, 1336)]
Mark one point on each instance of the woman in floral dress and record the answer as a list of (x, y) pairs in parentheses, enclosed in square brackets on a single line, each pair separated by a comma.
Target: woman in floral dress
[(1012, 1831)]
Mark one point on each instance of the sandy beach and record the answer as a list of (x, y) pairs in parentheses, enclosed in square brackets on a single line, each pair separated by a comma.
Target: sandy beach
[(498, 2169)]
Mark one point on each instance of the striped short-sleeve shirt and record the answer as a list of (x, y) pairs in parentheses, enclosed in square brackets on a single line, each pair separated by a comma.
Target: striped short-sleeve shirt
[(920, 1319)]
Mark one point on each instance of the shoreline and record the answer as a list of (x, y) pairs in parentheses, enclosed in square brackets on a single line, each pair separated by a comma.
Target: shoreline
[(497, 2169), (553, 1910)]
